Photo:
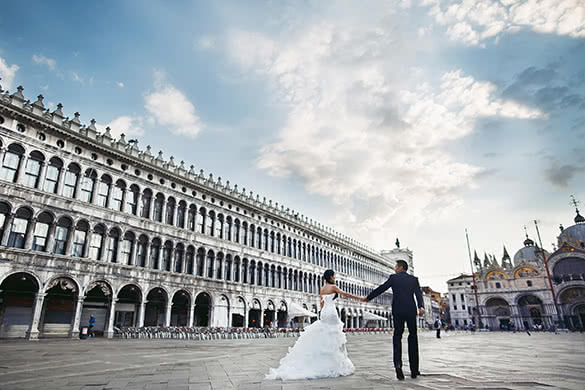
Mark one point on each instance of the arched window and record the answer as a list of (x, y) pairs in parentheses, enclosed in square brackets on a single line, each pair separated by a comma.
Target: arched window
[(155, 253), (97, 242), (278, 243), (104, 190), (228, 228), (190, 260), (126, 250), (219, 266), (200, 261), (88, 185), (259, 269), (112, 247), (252, 237), (145, 204), (32, 170), (117, 201), (201, 217), (71, 180), (266, 243), (219, 226), (272, 242), (245, 232), (158, 207), (228, 267), (244, 270), (42, 227), (19, 228), (11, 163), (170, 211), (166, 256), (132, 199), (192, 217), (141, 250), (52, 175), (210, 223), (237, 230), (210, 265), (181, 214), (179, 253), (80, 238), (252, 273), (236, 269), (62, 235), (259, 238)]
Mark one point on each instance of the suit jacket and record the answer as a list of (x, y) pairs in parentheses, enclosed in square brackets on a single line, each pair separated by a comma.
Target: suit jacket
[(404, 288)]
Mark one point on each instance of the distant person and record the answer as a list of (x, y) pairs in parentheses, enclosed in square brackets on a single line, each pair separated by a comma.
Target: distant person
[(91, 326), (438, 328)]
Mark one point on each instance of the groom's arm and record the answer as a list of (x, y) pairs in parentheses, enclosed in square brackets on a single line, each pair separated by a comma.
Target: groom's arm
[(379, 290), (419, 297)]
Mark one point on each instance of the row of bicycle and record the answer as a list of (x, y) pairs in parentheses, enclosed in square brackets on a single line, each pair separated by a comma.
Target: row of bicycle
[(207, 333)]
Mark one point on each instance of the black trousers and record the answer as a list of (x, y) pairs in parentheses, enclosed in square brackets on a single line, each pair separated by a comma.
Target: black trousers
[(399, 320), (439, 333)]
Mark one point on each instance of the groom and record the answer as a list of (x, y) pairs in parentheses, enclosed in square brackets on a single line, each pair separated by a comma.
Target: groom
[(404, 287)]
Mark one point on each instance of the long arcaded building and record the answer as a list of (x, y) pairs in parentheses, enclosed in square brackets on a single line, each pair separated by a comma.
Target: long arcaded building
[(91, 225)]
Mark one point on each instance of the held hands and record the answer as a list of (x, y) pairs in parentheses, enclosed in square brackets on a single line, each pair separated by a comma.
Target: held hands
[(421, 311)]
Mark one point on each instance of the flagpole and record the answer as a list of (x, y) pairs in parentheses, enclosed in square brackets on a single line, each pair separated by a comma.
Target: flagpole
[(479, 322), (552, 290)]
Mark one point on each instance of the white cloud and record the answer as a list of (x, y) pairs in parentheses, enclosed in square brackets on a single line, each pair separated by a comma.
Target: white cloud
[(472, 21), (170, 107), (205, 43), (7, 73), (355, 134), (120, 84), (128, 125), (42, 60), (77, 78)]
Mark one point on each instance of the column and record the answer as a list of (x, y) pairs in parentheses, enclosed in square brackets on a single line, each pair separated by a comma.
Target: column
[(111, 315), (119, 247), (229, 315), (262, 318), (51, 238), (20, 172), (246, 317), (30, 229), (74, 331), (147, 256), (175, 213), (191, 315), (86, 244), (172, 260), (7, 229), (33, 332), (151, 207), (141, 313), (134, 250), (42, 173), (168, 313), (69, 242), (2, 153)]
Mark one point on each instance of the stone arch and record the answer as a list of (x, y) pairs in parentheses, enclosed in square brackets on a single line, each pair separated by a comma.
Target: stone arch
[(18, 291), (203, 309), (181, 304)]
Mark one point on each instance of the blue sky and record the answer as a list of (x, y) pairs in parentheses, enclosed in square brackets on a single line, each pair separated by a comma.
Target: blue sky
[(409, 119)]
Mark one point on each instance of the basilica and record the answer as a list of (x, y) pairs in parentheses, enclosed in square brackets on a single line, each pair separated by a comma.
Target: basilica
[(96, 226), (536, 289)]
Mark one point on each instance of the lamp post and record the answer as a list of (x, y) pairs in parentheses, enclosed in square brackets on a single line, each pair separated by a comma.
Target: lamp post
[(479, 322), (552, 290)]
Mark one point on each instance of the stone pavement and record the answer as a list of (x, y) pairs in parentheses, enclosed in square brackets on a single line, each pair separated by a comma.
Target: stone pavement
[(457, 361)]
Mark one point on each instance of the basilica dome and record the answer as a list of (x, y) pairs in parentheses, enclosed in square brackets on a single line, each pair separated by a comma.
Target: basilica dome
[(574, 235), (530, 253)]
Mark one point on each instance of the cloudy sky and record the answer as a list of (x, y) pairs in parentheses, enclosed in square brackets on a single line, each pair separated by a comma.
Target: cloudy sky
[(410, 119)]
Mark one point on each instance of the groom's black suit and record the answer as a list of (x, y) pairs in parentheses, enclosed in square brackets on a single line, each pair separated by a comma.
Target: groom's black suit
[(404, 288)]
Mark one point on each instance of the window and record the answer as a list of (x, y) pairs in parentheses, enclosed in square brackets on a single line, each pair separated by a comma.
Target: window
[(71, 179), (79, 239), (87, 185), (112, 246), (166, 256), (61, 235), (96, 244), (118, 195), (132, 200), (462, 307), (17, 236), (454, 298), (154, 253), (465, 322), (41, 232), (11, 163), (158, 207), (456, 322), (498, 285), (126, 250), (145, 206), (141, 251), (33, 169), (192, 217), (170, 212), (52, 175), (529, 283), (104, 191), (181, 214), (462, 298), (454, 307), (237, 230)]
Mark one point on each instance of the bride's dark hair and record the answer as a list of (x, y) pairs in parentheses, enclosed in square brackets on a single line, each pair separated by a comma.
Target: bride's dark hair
[(327, 276)]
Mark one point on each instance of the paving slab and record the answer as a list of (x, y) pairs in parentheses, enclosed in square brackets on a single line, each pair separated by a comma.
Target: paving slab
[(459, 360)]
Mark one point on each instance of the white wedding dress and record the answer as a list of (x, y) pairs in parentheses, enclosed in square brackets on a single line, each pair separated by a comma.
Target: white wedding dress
[(319, 351)]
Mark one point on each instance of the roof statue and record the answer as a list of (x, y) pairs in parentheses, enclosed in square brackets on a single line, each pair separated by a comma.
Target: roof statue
[(397, 243)]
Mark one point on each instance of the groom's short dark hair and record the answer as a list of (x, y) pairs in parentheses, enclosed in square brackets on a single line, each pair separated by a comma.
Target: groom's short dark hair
[(403, 264)]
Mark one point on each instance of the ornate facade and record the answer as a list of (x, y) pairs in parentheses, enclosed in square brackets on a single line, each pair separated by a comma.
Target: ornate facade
[(93, 226), (519, 293)]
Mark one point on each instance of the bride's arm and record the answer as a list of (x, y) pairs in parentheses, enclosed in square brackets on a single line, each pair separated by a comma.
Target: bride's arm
[(321, 299), (344, 294)]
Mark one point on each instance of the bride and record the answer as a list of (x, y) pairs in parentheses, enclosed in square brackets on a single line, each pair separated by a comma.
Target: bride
[(320, 350)]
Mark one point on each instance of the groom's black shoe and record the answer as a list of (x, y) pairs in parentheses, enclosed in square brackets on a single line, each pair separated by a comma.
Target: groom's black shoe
[(399, 374), (414, 374)]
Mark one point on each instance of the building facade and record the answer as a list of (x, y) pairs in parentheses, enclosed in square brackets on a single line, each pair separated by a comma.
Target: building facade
[(518, 294), (95, 226)]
